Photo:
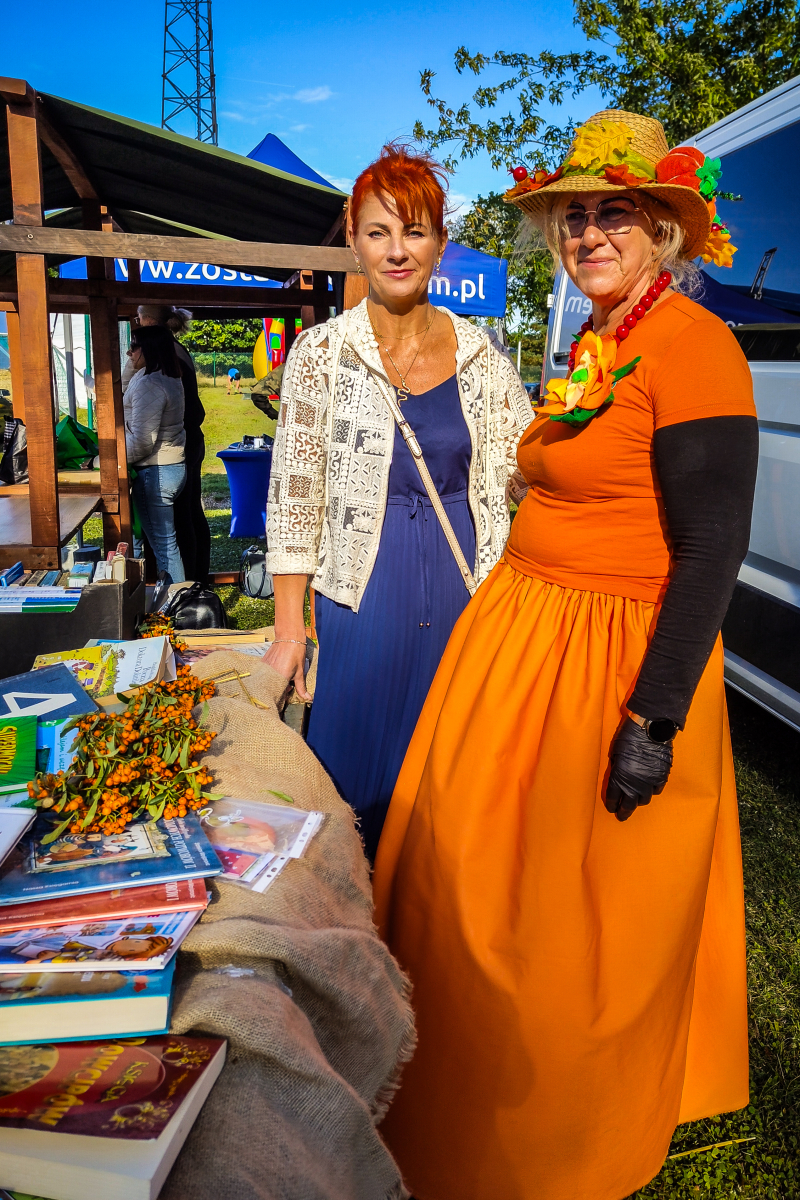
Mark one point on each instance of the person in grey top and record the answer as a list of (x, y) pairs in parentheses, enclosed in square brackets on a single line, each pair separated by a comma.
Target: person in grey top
[(155, 441)]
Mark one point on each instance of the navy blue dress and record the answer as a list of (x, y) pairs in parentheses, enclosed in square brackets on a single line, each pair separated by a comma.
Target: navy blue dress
[(376, 665)]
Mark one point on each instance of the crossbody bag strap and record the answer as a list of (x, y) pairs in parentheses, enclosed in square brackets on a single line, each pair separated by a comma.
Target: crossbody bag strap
[(430, 487)]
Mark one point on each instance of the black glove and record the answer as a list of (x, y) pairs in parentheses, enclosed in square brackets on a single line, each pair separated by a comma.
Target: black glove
[(639, 770)]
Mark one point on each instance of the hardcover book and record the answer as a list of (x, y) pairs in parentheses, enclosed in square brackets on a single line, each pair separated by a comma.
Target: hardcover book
[(95, 1120), (52, 693), (17, 752), (76, 864), (77, 1005), (181, 895), (144, 944), (114, 667)]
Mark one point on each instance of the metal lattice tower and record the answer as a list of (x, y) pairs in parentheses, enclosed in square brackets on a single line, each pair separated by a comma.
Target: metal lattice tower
[(189, 88)]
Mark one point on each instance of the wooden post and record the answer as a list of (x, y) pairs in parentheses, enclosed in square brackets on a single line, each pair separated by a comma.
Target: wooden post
[(110, 423), (356, 288), (34, 325), (15, 355), (109, 412), (306, 281), (320, 283)]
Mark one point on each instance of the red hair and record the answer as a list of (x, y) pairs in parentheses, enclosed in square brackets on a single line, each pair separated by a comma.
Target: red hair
[(416, 183)]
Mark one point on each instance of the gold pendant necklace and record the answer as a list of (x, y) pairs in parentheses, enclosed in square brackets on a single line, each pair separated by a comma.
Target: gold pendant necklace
[(402, 391)]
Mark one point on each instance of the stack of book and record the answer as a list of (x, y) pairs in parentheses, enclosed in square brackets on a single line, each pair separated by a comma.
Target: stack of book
[(90, 924), (59, 591), (89, 928)]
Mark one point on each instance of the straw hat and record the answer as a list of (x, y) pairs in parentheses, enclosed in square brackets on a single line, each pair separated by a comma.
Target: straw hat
[(621, 151)]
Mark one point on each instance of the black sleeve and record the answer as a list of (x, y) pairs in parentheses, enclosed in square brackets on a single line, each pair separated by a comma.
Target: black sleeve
[(707, 472)]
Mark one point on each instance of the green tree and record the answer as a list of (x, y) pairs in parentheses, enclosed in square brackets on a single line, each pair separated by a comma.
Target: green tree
[(227, 335), (687, 62), (492, 225)]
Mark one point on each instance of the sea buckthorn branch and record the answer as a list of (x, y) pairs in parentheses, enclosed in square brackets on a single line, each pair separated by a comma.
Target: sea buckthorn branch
[(142, 762), (157, 625)]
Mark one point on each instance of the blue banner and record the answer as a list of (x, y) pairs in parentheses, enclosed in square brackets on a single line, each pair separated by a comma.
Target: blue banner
[(156, 271), (470, 283)]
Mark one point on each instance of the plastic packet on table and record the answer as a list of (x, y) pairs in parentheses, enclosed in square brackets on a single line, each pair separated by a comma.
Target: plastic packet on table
[(257, 829)]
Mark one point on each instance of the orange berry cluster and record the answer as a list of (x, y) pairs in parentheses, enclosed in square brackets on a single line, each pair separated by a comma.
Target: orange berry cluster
[(143, 762), (156, 625)]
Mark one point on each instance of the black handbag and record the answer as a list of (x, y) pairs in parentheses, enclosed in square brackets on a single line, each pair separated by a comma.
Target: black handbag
[(255, 580), (14, 460), (196, 607)]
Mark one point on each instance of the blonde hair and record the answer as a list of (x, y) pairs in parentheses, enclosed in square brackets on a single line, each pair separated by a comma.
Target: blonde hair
[(668, 239), (176, 319)]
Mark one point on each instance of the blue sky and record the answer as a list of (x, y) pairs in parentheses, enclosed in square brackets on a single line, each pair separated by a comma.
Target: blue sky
[(333, 80)]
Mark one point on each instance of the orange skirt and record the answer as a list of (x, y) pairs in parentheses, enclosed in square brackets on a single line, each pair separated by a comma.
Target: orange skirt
[(579, 983)]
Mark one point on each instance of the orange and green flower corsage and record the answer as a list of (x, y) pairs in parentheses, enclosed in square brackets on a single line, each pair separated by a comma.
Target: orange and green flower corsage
[(590, 387)]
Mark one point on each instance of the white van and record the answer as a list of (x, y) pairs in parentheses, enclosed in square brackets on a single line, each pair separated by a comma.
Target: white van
[(759, 297)]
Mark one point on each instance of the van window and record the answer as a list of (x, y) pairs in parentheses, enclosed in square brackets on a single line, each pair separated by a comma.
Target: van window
[(766, 174), (574, 310)]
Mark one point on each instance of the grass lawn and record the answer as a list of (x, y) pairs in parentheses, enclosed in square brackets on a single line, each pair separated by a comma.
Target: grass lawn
[(767, 755)]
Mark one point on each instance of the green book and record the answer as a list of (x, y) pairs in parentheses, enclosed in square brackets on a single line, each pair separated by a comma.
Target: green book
[(17, 752)]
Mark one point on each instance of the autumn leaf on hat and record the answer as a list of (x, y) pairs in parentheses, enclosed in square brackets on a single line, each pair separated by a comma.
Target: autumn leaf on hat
[(625, 178), (718, 249), (597, 143)]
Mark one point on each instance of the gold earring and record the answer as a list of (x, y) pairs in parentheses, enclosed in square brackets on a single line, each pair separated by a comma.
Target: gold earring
[(438, 264), (358, 268)]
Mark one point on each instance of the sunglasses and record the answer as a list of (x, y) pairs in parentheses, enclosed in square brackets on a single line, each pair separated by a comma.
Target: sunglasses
[(615, 215)]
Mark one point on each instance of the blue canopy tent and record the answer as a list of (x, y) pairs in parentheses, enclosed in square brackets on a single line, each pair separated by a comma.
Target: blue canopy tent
[(274, 153)]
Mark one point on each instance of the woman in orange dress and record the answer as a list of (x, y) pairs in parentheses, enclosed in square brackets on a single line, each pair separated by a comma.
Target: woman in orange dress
[(560, 870)]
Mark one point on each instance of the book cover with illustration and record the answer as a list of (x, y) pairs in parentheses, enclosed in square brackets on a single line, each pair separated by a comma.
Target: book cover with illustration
[(109, 1089), (17, 752), (145, 944), (76, 1005), (113, 667), (180, 895), (75, 864)]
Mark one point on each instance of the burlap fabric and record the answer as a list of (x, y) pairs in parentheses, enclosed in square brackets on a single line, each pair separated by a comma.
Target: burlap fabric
[(314, 1007)]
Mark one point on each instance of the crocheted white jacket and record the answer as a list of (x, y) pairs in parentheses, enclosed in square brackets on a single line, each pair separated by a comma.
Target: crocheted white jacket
[(331, 459)]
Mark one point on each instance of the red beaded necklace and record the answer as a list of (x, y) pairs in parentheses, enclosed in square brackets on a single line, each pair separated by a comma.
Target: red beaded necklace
[(637, 313)]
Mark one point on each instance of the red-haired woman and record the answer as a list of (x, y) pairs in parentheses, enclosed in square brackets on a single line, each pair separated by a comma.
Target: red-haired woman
[(347, 506)]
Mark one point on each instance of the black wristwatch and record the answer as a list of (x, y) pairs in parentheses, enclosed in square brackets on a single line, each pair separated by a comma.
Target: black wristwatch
[(660, 730)]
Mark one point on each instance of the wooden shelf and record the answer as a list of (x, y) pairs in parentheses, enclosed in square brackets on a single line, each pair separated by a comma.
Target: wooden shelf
[(15, 528), (76, 483)]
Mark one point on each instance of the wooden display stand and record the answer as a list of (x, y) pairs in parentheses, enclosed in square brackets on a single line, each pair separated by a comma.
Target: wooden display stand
[(37, 524)]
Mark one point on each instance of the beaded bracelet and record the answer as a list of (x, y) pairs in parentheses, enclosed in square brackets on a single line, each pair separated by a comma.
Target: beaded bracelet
[(286, 641)]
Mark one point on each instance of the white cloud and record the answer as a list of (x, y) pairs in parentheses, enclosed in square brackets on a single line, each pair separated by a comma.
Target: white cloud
[(344, 185), (312, 95), (457, 202), (298, 128)]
